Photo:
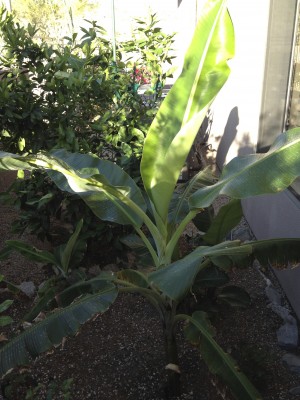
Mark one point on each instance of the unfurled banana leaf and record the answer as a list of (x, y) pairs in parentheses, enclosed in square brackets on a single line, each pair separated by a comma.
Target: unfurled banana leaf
[(173, 131), (200, 332), (49, 332), (256, 174)]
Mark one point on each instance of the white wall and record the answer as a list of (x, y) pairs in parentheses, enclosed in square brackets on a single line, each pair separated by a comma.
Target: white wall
[(237, 112), (237, 107), (236, 125)]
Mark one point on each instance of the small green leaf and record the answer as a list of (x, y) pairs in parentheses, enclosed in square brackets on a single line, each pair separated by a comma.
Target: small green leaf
[(132, 241), (20, 174), (5, 320), (62, 74), (21, 144), (228, 217), (5, 305), (234, 296), (42, 200)]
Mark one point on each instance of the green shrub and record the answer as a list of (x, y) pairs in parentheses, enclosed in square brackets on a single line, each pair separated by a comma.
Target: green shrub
[(150, 48), (73, 97), (64, 97)]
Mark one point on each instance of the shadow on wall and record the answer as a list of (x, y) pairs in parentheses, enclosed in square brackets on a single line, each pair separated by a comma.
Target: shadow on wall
[(242, 147), (228, 136), (245, 145)]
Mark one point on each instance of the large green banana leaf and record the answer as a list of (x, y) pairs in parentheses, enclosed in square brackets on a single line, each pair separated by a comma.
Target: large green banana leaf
[(256, 174), (173, 131), (103, 185), (177, 278), (43, 335), (200, 332)]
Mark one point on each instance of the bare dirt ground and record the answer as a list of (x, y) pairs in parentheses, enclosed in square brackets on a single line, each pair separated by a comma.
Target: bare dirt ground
[(119, 355)]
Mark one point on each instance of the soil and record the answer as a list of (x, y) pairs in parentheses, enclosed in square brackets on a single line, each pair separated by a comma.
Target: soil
[(120, 355)]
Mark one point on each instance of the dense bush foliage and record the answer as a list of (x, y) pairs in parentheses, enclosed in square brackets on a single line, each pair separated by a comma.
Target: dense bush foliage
[(150, 48), (73, 96)]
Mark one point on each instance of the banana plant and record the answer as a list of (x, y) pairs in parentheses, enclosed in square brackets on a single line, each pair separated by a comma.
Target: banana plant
[(63, 259), (160, 214)]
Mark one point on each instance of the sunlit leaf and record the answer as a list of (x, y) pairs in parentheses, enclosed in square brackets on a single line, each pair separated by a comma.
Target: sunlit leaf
[(256, 174), (177, 122)]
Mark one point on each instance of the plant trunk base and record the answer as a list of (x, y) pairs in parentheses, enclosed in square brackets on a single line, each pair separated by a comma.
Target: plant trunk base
[(173, 387)]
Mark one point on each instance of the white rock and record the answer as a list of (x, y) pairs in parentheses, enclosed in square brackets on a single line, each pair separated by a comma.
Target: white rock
[(295, 390), (292, 361), (273, 296), (28, 288), (287, 335)]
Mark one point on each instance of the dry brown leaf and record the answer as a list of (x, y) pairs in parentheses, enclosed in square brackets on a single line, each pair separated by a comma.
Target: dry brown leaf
[(3, 338)]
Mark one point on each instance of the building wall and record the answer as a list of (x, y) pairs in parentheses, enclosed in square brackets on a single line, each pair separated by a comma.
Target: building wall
[(243, 114), (237, 108)]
